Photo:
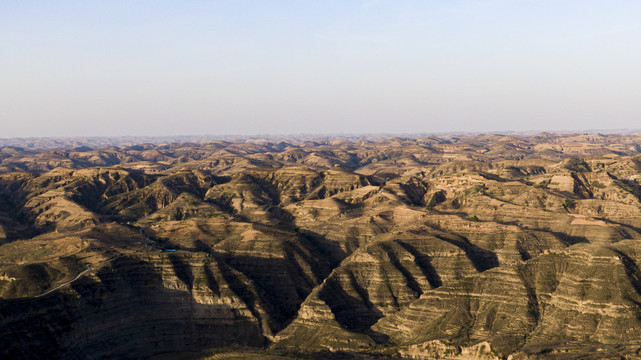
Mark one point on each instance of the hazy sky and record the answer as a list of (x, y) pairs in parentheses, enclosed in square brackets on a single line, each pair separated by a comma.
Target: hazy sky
[(85, 68)]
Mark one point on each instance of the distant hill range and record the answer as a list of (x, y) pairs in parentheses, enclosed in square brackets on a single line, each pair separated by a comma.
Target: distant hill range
[(164, 153), (96, 142)]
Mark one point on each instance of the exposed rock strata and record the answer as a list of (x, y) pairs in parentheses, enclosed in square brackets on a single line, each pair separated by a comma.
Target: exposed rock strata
[(464, 248)]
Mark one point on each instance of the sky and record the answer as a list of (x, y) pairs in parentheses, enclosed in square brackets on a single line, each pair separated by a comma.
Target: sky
[(113, 68)]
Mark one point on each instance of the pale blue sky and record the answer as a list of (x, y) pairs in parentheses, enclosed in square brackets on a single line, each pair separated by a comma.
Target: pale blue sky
[(84, 68)]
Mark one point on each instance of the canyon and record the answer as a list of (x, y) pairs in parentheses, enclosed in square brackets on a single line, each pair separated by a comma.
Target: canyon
[(454, 247)]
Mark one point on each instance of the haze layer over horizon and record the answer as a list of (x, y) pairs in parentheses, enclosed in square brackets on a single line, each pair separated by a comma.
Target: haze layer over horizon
[(285, 67)]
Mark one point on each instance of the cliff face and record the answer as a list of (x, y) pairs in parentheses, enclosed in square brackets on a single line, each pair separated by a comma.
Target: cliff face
[(551, 304), (393, 248), (132, 308)]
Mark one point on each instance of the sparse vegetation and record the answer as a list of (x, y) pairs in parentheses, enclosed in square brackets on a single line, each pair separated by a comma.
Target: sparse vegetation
[(422, 254), (569, 204), (543, 184), (577, 165), (436, 198)]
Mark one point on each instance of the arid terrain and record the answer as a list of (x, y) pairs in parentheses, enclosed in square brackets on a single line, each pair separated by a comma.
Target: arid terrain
[(468, 247)]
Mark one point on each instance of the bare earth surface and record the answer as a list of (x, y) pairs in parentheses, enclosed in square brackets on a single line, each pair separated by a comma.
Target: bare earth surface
[(471, 247)]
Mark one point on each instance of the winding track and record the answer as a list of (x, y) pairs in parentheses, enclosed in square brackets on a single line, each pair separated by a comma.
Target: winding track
[(66, 283)]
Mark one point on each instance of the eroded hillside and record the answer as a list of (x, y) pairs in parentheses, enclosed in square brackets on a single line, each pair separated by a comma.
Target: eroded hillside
[(474, 247)]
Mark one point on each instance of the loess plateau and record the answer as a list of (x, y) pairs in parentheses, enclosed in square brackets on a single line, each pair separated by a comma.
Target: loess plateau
[(468, 247)]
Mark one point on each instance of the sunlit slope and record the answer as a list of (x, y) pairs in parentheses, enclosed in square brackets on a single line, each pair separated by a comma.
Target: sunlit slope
[(488, 245)]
